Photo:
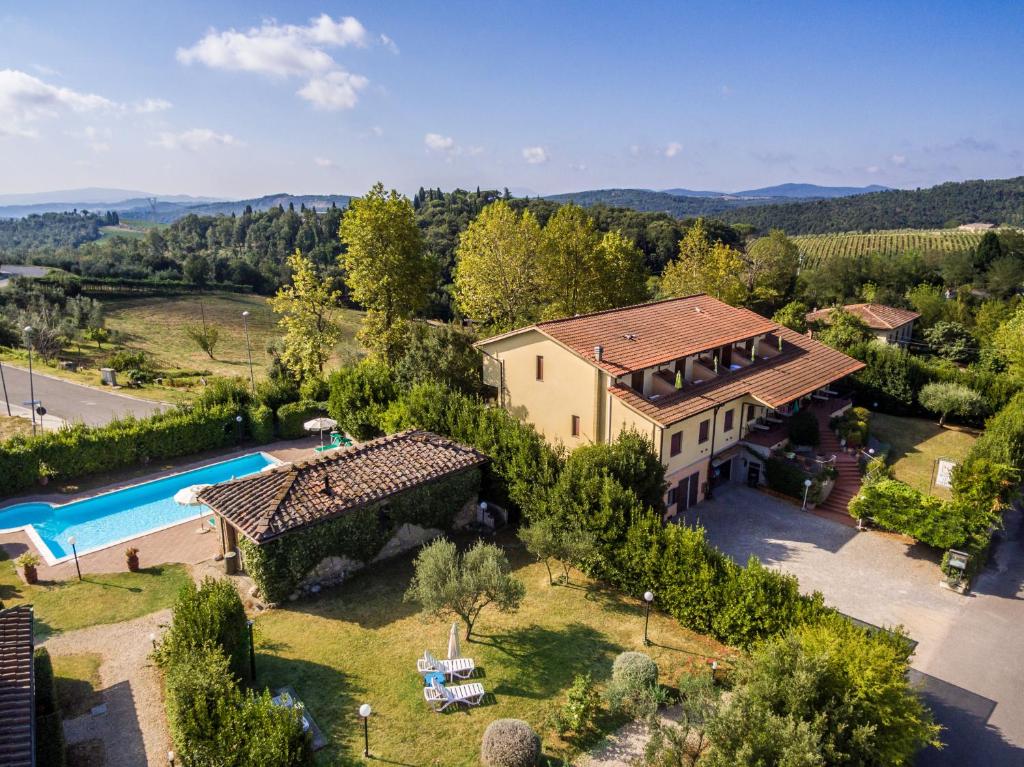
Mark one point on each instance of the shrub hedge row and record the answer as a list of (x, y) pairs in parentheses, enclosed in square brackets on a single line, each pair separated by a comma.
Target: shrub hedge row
[(292, 415)]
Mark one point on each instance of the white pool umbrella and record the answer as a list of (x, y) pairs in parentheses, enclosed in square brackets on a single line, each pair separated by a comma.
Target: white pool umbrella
[(189, 496), (321, 425), (454, 651)]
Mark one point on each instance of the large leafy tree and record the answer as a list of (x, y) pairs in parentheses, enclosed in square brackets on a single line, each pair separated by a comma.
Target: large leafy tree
[(386, 267), (1007, 340), (952, 341), (793, 315), (950, 398), (447, 582), (497, 268), (568, 266), (771, 263), (307, 309), (704, 267), (844, 330), (359, 396), (621, 273)]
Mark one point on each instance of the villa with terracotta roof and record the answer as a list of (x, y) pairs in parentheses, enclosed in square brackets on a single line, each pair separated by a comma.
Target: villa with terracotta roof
[(888, 324), (699, 377)]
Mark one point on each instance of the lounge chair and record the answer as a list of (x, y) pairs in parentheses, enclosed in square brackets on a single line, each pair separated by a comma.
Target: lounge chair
[(439, 697), (337, 440), (456, 668)]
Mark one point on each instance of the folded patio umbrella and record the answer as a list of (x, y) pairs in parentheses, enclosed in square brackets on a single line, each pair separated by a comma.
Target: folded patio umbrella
[(189, 496), (454, 651)]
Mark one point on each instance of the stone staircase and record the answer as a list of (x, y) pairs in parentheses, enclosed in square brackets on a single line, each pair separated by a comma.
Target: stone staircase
[(847, 483)]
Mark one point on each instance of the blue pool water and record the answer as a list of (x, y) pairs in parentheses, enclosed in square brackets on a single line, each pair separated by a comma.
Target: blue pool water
[(105, 519)]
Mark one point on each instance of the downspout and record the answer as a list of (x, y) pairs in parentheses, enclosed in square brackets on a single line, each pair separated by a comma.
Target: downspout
[(714, 432)]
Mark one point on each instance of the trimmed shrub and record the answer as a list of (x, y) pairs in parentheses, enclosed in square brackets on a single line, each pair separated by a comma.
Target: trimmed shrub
[(276, 391), (290, 418), (360, 394), (636, 669), (261, 424), (803, 429), (633, 689), (49, 724), (509, 743)]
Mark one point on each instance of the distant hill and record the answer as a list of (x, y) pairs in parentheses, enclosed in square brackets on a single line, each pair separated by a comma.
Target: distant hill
[(694, 193), (167, 213), (999, 201), (788, 191), (646, 201), (91, 198)]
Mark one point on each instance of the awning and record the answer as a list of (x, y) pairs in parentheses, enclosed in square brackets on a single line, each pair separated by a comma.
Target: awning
[(725, 456)]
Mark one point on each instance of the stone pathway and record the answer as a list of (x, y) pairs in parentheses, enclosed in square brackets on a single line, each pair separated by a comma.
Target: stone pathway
[(134, 727), (623, 747)]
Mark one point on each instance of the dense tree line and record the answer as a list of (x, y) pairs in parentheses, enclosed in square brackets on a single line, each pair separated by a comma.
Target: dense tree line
[(51, 230)]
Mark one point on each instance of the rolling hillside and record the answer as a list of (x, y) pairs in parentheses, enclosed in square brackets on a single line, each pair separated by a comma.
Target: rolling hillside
[(821, 247), (646, 201), (166, 213)]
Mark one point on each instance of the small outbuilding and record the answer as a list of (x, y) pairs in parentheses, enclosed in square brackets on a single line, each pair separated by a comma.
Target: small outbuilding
[(303, 526), (889, 324)]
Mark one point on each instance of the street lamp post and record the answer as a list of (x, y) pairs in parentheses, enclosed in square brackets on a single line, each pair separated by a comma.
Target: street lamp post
[(74, 551), (364, 712), (248, 349), (31, 386), (648, 598), (238, 428), (807, 487), (252, 652), (7, 400)]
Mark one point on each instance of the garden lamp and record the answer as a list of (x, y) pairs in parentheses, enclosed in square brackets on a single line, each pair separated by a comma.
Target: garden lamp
[(71, 540), (807, 487), (648, 598), (364, 712)]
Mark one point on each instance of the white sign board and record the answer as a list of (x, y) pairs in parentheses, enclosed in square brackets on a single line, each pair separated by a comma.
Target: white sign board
[(944, 474)]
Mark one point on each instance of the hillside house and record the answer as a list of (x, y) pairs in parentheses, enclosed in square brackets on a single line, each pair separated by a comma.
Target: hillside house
[(887, 323)]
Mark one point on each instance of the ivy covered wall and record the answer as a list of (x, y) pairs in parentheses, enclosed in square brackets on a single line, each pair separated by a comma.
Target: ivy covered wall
[(280, 565)]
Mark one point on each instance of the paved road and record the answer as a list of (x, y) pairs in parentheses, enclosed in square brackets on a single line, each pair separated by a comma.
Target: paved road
[(73, 402), (970, 653)]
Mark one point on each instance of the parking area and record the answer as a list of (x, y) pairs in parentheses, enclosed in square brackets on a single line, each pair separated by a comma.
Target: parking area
[(969, 655)]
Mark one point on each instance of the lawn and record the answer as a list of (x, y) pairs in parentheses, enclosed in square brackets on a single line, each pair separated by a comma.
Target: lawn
[(108, 598), (78, 682), (12, 427), (915, 445), (156, 325), (359, 643)]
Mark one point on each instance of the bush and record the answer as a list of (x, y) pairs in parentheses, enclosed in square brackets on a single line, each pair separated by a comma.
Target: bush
[(635, 669), (854, 426), (950, 399), (803, 429), (261, 424), (581, 706), (224, 391), (49, 725), (276, 391), (290, 418), (634, 685), (510, 743), (785, 477), (360, 394), (124, 360)]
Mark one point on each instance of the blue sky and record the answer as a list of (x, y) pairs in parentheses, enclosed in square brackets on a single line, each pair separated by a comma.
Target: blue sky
[(240, 99)]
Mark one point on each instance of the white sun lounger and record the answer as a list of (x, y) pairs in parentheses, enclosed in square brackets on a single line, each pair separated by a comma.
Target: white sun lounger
[(439, 697), (456, 668)]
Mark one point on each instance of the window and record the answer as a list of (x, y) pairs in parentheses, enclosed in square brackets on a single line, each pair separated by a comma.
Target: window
[(676, 445), (540, 367), (636, 381), (671, 500), (705, 429), (728, 419), (575, 426)]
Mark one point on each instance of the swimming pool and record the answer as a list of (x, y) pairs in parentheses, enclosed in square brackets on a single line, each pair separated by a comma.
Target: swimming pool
[(107, 519)]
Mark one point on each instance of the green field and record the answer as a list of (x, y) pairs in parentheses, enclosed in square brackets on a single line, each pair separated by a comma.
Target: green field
[(821, 247)]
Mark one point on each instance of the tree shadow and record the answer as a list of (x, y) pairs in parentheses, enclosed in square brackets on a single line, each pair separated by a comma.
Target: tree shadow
[(1003, 576)]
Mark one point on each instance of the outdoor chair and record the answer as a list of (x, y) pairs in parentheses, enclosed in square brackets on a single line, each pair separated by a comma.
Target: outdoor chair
[(439, 697), (456, 668), (337, 440)]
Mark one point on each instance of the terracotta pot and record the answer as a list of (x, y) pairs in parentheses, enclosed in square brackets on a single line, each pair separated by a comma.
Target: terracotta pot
[(28, 572), (133, 564)]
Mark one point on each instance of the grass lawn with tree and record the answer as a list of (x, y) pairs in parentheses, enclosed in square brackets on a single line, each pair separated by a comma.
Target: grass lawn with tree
[(105, 598), (915, 445), (359, 644)]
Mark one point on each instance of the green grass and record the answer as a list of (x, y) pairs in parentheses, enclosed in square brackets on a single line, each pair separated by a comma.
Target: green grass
[(108, 598), (820, 247), (359, 643), (915, 445), (78, 682)]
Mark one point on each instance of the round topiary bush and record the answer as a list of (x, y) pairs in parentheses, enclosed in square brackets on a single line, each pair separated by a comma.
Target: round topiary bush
[(634, 670), (510, 743)]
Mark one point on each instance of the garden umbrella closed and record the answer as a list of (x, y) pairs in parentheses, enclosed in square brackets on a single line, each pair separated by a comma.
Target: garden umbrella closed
[(454, 651), (321, 425), (189, 496)]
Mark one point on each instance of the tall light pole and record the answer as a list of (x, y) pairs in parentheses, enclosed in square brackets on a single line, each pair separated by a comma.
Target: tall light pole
[(74, 550), (7, 400), (248, 349), (364, 712), (807, 487), (31, 386), (648, 598)]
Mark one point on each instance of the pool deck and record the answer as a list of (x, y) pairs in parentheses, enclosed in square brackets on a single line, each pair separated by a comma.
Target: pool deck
[(181, 543)]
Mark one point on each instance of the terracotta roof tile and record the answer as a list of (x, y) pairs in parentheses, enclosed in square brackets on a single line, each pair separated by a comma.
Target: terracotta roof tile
[(17, 704), (274, 502), (875, 316), (637, 337), (803, 366)]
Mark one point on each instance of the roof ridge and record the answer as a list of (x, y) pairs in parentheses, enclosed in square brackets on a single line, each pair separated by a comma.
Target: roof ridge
[(599, 312)]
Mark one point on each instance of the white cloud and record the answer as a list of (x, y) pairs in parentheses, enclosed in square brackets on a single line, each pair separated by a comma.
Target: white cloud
[(288, 50), (323, 162), (24, 99), (148, 106), (872, 169), (898, 159), (634, 150), (673, 149), (376, 130), (98, 140), (535, 155), (195, 139), (390, 44), (334, 90), (438, 143)]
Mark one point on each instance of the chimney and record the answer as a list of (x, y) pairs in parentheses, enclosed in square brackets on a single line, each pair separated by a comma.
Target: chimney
[(599, 352)]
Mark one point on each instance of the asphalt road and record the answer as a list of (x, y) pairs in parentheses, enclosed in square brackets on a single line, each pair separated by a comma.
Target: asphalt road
[(969, 659), (73, 402)]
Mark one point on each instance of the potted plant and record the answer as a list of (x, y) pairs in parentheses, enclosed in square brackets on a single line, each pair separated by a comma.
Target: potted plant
[(132, 555), (27, 563), (45, 472)]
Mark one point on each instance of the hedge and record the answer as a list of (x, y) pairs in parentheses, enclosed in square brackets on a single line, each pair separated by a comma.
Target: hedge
[(292, 415), (261, 424), (79, 450), (49, 722), (279, 565)]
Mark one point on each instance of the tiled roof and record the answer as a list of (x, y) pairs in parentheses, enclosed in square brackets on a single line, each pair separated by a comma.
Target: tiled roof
[(637, 337), (17, 707), (875, 316), (803, 366), (266, 505)]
